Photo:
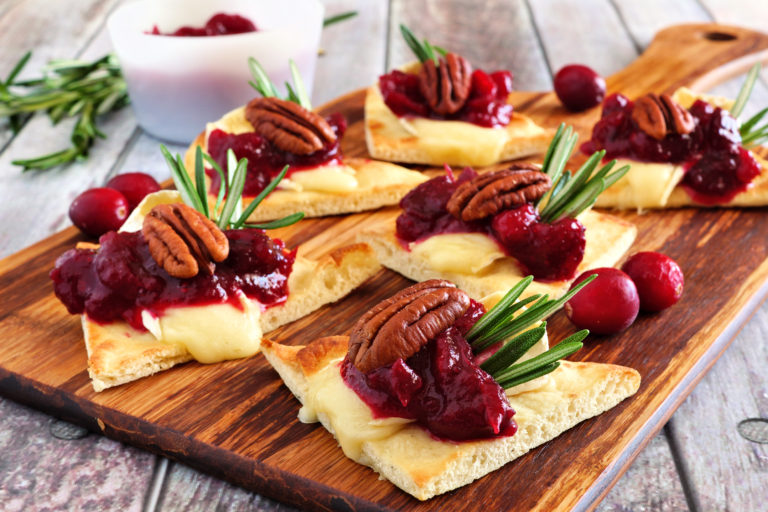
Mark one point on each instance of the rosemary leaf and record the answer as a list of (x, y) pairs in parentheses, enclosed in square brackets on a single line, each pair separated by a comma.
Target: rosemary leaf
[(222, 180), (200, 181), (180, 178), (263, 84), (413, 43), (498, 311), (554, 354), (279, 223), (527, 377), (235, 190), (301, 91), (746, 91), (339, 17), (259, 198), (514, 349), (752, 121)]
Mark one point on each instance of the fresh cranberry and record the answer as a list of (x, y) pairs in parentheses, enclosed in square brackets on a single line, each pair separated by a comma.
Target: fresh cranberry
[(607, 305), (503, 80), (546, 251), (225, 24), (99, 210), (579, 87), (134, 186), (658, 279)]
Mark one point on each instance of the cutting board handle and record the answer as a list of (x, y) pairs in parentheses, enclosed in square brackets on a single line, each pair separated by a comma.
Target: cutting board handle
[(699, 56)]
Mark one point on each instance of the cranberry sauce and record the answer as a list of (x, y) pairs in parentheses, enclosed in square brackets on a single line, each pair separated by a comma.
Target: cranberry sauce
[(440, 387), (219, 24), (547, 251), (120, 279), (265, 161), (717, 167), (486, 106)]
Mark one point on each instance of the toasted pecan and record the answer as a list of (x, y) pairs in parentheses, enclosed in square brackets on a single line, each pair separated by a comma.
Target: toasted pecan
[(183, 241), (446, 85), (492, 192), (399, 326), (289, 126), (659, 116)]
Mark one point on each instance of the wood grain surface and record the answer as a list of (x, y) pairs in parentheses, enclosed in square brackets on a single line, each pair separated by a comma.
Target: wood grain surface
[(237, 420)]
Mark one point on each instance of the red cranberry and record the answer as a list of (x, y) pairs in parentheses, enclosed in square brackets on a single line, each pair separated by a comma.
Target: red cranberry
[(579, 87), (99, 210), (134, 186), (224, 24), (607, 305), (658, 279)]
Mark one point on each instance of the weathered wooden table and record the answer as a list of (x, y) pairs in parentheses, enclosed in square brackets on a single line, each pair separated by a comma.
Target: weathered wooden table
[(697, 462)]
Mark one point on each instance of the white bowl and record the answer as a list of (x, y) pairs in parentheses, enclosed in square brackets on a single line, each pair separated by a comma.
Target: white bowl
[(178, 84)]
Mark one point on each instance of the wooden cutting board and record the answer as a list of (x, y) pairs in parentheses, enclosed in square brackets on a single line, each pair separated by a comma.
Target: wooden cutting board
[(237, 421)]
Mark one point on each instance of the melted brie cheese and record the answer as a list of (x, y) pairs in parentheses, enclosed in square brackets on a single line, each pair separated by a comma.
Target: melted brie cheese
[(210, 333), (646, 185), (334, 179), (345, 414), (462, 253), (450, 141)]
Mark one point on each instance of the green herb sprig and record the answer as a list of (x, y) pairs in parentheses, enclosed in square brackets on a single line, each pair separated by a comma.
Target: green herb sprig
[(571, 194), (423, 49), (339, 17), (264, 86), (68, 88), (227, 213), (754, 131), (516, 329)]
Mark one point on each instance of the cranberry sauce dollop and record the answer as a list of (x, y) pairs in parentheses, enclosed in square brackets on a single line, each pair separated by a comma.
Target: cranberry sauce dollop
[(219, 24), (440, 387), (716, 166), (549, 252), (486, 106), (120, 279), (265, 161)]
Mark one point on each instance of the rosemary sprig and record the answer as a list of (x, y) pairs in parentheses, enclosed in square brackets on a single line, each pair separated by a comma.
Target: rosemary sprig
[(232, 215), (518, 332), (423, 49), (68, 88), (754, 131), (339, 17), (264, 86), (571, 194)]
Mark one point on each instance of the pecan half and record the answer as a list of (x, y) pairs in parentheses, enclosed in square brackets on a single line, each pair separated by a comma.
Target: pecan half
[(183, 241), (399, 326), (489, 193), (661, 115), (446, 85), (289, 126)]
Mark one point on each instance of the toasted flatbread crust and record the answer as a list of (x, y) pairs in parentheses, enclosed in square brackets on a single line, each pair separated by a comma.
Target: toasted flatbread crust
[(424, 467), (281, 203), (385, 142), (608, 238), (117, 353)]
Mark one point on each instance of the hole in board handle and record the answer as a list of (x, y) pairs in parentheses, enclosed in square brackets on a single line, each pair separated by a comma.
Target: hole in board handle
[(754, 429), (719, 36)]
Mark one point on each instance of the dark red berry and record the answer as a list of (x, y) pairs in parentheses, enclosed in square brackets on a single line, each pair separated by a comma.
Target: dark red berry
[(607, 305), (579, 87), (225, 24), (658, 279), (99, 210), (134, 186)]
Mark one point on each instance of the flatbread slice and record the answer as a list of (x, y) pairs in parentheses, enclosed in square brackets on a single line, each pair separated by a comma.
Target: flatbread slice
[(359, 184), (608, 238), (420, 465), (118, 353)]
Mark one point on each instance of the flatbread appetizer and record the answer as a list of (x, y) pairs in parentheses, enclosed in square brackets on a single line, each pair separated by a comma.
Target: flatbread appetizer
[(486, 231), (433, 392), (183, 281), (442, 111), (687, 149), (274, 132)]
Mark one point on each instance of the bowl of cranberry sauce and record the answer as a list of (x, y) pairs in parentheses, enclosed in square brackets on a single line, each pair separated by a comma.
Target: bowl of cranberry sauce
[(186, 61)]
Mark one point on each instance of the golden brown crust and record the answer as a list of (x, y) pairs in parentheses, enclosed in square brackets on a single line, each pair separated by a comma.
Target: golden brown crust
[(317, 355)]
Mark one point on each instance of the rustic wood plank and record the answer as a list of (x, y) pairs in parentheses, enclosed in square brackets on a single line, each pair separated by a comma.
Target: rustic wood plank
[(272, 456), (39, 472), (651, 483), (498, 35)]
